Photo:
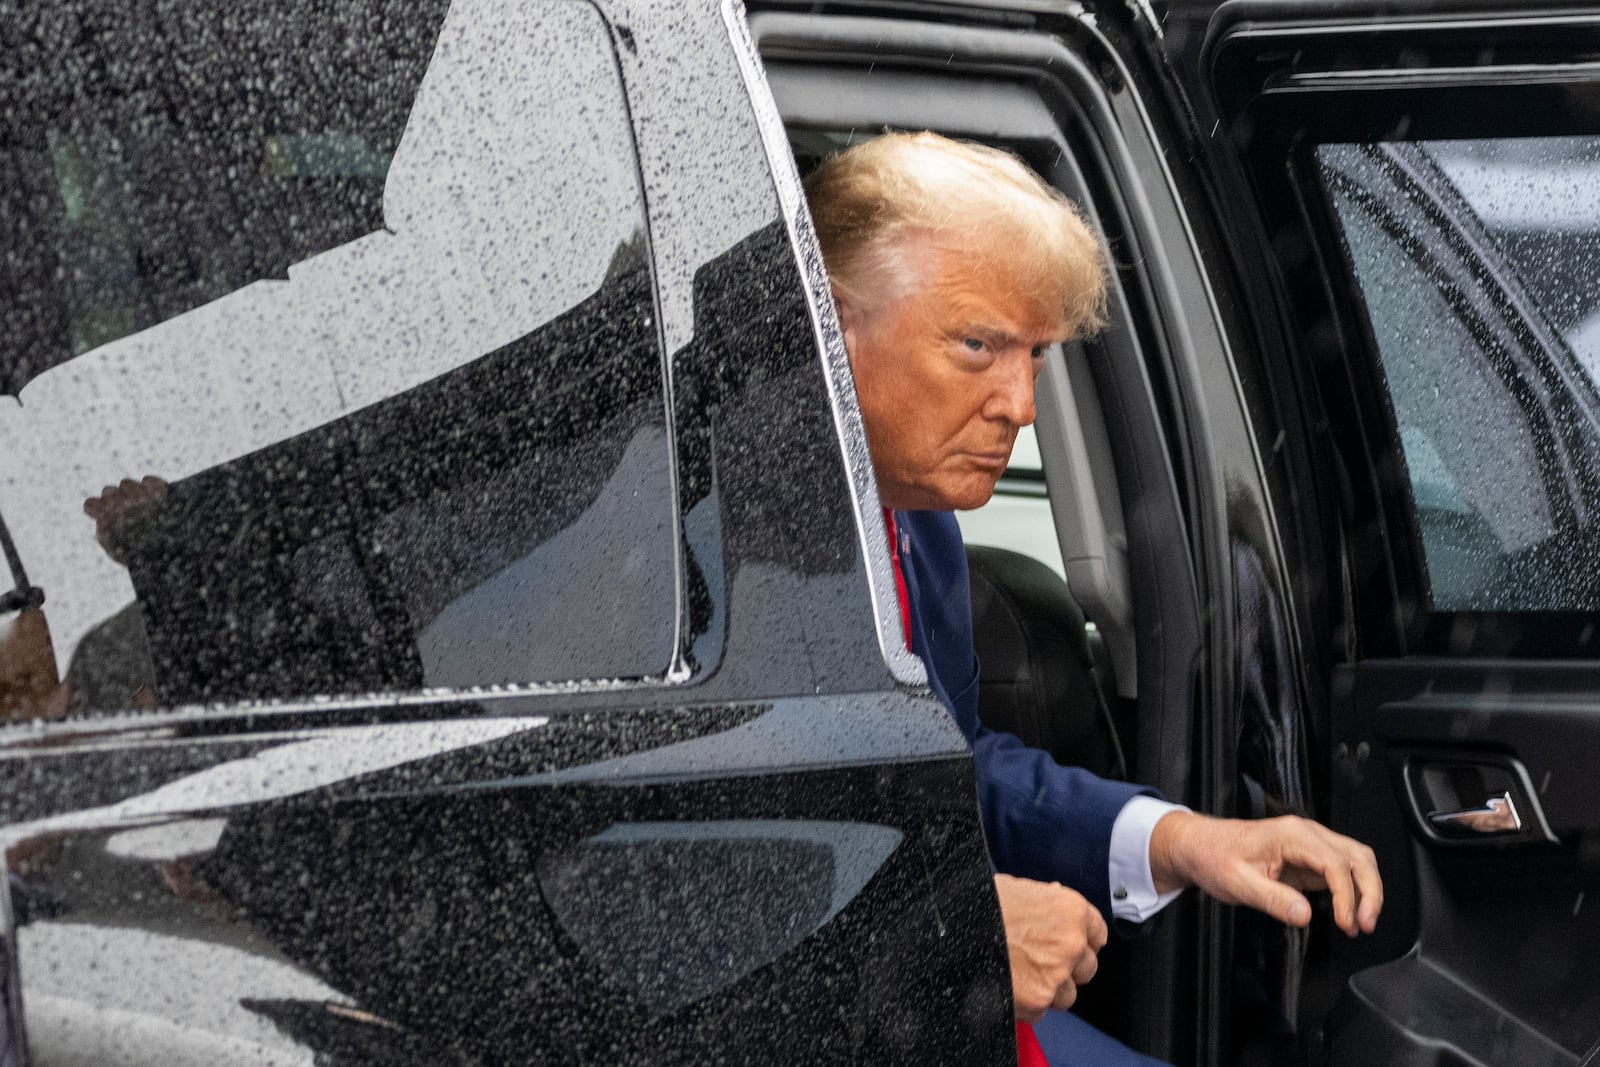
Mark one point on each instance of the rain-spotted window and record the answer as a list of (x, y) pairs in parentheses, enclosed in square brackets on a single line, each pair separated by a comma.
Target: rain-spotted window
[(328, 357), (1478, 265)]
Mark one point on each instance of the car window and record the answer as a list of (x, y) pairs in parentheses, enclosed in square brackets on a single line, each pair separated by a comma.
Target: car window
[(1478, 265), (353, 313), (1539, 201)]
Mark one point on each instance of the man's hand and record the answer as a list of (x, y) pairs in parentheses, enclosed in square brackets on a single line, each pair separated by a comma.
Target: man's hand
[(1264, 863), (29, 685), (1053, 935), (119, 505)]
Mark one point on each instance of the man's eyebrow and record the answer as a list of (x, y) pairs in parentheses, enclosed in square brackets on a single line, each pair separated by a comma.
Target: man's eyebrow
[(1004, 338), (998, 335)]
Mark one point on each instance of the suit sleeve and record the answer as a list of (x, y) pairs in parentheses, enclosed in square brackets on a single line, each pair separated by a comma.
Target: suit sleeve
[(1042, 820)]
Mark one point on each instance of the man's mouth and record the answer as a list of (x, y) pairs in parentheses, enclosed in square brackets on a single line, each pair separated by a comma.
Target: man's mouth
[(995, 460)]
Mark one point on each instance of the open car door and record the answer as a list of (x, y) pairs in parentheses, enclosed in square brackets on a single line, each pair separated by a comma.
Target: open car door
[(1428, 267)]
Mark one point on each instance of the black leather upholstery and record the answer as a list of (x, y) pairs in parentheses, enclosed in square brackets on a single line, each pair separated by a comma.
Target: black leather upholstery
[(1036, 676)]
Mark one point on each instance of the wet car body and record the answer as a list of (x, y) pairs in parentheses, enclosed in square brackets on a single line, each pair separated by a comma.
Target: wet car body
[(653, 822), (533, 689)]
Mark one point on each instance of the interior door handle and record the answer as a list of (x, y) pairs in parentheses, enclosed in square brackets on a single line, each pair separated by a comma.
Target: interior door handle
[(1440, 786), (1497, 816)]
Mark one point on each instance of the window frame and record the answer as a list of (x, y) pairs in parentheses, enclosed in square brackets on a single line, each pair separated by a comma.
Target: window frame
[(904, 666), (1387, 597)]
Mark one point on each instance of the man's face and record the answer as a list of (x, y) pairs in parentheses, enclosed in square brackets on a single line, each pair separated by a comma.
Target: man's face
[(945, 375)]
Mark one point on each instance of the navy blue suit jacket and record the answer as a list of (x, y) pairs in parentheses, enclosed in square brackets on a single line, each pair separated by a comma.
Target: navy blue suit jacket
[(1042, 820)]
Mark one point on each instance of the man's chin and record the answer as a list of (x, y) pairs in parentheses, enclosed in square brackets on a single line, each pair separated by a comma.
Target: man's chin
[(952, 494), (968, 496)]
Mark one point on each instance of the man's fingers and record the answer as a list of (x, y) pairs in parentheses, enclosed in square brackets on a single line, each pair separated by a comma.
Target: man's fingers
[(121, 503), (1346, 867), (1086, 968), (1343, 889), (1097, 933), (1051, 938), (1359, 897), (1333, 867), (1370, 887), (1264, 863), (1066, 996), (1278, 900)]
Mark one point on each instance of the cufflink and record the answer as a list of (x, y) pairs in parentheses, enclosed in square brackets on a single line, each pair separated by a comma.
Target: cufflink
[(1119, 893)]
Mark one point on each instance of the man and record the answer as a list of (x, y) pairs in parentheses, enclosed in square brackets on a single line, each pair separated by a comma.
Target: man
[(954, 268)]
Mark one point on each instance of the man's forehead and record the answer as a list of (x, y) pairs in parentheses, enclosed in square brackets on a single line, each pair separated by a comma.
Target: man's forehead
[(984, 285)]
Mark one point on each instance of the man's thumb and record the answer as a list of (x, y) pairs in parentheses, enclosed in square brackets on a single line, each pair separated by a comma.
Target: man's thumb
[(1286, 905), (1277, 900)]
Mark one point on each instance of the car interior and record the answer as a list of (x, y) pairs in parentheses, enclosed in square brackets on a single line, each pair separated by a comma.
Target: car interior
[(1474, 953), (1056, 635), (1049, 675)]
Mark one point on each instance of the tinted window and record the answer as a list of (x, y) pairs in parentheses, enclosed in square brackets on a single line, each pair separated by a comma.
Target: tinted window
[(360, 301), (1479, 266)]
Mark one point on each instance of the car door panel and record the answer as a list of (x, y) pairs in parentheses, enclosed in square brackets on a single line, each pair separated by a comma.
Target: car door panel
[(738, 839), (1544, 717), (471, 890), (1503, 929), (1462, 709)]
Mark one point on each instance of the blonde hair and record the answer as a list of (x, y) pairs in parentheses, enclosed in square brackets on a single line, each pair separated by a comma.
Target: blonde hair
[(870, 199)]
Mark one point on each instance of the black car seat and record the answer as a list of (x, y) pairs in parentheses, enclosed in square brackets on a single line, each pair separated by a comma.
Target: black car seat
[(1037, 677)]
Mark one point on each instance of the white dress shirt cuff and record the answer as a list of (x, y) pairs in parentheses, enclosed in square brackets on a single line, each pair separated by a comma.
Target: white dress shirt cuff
[(1133, 887)]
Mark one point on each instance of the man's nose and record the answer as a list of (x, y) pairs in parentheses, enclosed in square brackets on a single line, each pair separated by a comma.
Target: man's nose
[(1011, 395)]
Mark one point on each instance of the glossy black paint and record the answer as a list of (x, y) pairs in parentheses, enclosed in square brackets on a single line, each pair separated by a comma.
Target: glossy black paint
[(1277, 557), (1477, 958), (449, 902), (743, 858)]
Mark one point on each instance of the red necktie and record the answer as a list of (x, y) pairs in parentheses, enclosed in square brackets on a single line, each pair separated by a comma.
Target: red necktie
[(1029, 1054), (899, 575)]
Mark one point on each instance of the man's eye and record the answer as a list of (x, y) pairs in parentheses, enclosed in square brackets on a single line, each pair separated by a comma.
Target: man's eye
[(973, 344), (1038, 351)]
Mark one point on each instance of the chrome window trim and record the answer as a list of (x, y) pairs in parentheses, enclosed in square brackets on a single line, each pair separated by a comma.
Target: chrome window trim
[(906, 667)]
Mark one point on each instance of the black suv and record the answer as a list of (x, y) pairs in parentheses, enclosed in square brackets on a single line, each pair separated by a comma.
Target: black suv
[(481, 646)]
